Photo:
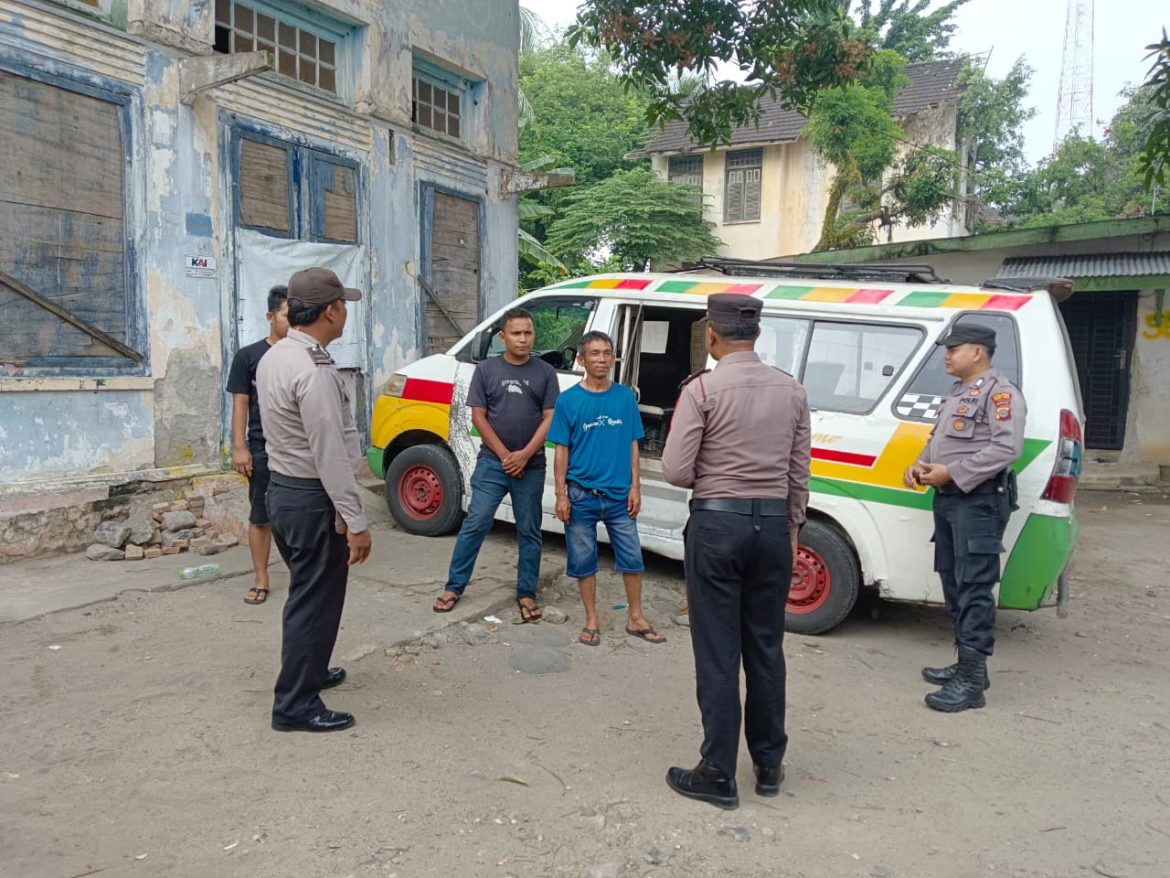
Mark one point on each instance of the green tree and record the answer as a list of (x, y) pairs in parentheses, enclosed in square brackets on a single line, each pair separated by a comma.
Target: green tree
[(628, 221), (1155, 157), (907, 27), (991, 121)]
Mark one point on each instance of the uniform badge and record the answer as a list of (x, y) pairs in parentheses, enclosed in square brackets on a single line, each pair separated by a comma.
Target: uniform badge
[(959, 424), (974, 391), (962, 410), (320, 356), (1003, 405)]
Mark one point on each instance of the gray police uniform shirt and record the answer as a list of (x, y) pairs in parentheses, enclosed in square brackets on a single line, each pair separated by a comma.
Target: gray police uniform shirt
[(980, 430), (310, 430)]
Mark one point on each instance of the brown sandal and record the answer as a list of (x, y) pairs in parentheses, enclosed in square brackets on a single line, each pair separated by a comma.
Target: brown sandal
[(590, 636), (256, 595), (528, 613), (446, 605), (647, 634)]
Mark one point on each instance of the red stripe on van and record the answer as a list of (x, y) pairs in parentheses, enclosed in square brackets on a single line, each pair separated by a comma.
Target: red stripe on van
[(1005, 303), (632, 284), (422, 390), (742, 289), (844, 457), (868, 297)]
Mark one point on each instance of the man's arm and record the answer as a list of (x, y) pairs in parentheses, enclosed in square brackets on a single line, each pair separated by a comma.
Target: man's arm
[(634, 503), (799, 460), (241, 456), (560, 480), (682, 445), (479, 420)]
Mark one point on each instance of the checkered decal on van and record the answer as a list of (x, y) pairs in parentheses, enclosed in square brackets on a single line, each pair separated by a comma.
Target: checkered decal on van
[(920, 406)]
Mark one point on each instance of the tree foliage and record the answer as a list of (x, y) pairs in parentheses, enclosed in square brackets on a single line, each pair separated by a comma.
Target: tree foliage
[(908, 27), (786, 50), (1155, 157), (630, 220)]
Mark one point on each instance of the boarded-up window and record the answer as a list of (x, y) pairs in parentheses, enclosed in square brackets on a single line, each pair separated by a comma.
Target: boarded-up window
[(334, 197), (741, 197), (264, 186), (451, 269), (62, 233)]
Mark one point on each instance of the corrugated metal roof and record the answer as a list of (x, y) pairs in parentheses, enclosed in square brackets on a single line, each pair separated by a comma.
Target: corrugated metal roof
[(1088, 265), (931, 83)]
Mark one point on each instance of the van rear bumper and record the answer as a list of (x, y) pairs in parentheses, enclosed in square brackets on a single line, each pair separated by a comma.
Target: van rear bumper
[(1040, 555)]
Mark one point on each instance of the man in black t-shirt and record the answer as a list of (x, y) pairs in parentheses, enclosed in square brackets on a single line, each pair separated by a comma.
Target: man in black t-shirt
[(511, 398), (249, 456)]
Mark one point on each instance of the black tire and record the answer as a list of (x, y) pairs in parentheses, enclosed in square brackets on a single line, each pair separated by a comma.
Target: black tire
[(424, 490), (825, 583)]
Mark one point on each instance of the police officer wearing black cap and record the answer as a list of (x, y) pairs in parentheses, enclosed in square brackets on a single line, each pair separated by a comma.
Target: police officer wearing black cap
[(313, 497), (978, 436), (740, 438)]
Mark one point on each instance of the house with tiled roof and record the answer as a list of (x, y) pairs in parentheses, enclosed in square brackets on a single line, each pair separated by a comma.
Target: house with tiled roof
[(766, 190)]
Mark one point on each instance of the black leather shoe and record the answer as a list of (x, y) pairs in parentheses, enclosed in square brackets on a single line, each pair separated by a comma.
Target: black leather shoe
[(768, 780), (325, 721), (706, 783), (333, 677)]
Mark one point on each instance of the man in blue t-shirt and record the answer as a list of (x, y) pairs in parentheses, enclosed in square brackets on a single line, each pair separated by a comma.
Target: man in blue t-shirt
[(596, 428), (511, 398)]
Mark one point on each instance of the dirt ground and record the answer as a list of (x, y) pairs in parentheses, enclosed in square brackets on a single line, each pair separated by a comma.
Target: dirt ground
[(136, 740)]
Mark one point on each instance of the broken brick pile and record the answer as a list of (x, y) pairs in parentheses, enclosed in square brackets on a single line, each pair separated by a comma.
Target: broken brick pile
[(161, 529)]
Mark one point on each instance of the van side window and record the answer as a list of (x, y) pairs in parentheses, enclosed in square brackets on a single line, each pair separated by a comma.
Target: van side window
[(782, 341), (560, 323), (923, 396), (850, 365)]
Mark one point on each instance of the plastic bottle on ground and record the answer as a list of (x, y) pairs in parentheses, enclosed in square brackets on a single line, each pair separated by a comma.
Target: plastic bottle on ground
[(201, 570)]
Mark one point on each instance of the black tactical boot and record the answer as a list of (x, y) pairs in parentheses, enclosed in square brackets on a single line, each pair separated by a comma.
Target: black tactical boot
[(965, 689), (941, 676)]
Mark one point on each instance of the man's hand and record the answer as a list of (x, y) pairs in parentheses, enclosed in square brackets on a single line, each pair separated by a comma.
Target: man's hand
[(359, 546), (634, 501), (563, 508), (514, 462), (242, 461), (912, 478), (936, 475)]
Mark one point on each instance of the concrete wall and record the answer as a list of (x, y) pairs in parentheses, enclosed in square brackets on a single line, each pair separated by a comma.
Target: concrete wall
[(795, 192), (59, 433), (1147, 434)]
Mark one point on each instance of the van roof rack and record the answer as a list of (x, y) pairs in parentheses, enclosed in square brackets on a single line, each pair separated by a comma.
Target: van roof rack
[(898, 273), (1060, 287)]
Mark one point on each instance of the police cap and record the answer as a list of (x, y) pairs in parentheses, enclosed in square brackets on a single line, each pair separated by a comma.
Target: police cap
[(730, 309), (968, 333), (319, 286)]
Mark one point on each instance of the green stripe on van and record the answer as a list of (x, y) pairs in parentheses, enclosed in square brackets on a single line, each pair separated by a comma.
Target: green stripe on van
[(1037, 559), (789, 292), (677, 286), (573, 285), (925, 299)]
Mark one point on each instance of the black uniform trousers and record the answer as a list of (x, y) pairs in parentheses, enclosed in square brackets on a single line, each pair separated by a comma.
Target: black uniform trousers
[(303, 525), (968, 537), (739, 570)]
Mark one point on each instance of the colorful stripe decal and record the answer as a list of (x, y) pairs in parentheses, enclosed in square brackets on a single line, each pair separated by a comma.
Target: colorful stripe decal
[(424, 390), (607, 283), (705, 288), (846, 457)]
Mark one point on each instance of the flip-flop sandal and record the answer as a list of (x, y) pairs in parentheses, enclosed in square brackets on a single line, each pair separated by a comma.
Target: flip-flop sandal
[(646, 634), (590, 636), (260, 596), (445, 605), (529, 614)]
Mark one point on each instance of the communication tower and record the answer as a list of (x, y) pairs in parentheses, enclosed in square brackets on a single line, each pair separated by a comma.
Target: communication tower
[(1074, 103)]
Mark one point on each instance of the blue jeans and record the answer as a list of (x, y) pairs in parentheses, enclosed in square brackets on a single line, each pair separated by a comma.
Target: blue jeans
[(586, 509), (489, 485)]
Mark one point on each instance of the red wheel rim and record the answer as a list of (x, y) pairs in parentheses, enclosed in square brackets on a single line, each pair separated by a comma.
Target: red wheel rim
[(811, 582), (420, 492)]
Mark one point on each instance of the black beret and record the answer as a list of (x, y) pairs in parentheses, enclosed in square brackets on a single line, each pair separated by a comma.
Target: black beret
[(968, 333), (731, 309)]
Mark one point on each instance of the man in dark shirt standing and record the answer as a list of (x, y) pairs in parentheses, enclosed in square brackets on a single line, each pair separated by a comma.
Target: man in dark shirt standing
[(511, 398), (249, 455), (740, 438)]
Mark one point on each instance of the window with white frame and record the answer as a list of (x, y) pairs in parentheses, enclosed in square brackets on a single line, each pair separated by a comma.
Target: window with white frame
[(686, 170), (440, 99), (741, 194), (305, 47)]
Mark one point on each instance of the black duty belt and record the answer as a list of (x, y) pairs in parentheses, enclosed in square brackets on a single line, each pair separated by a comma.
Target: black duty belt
[(765, 508), (994, 485), (293, 482)]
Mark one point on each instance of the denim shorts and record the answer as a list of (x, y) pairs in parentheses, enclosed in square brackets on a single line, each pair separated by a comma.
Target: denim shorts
[(586, 510)]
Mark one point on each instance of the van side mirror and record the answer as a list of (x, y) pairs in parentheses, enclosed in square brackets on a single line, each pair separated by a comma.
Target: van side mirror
[(480, 343)]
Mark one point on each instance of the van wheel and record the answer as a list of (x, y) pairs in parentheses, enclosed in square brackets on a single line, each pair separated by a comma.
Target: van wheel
[(424, 490), (825, 581)]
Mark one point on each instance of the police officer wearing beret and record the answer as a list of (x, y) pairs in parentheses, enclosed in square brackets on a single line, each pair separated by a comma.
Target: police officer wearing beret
[(978, 436), (740, 438), (313, 497)]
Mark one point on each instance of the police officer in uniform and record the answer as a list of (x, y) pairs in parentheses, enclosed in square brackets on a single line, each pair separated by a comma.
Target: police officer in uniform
[(313, 500), (740, 439), (978, 436)]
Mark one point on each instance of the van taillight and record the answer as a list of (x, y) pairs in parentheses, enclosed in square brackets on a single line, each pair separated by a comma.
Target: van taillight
[(1062, 485)]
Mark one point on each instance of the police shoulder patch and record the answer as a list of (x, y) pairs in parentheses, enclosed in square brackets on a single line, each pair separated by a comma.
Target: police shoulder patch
[(320, 356), (691, 378), (1003, 405)]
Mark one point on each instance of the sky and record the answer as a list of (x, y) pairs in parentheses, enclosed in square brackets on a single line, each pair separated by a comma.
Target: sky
[(1034, 29)]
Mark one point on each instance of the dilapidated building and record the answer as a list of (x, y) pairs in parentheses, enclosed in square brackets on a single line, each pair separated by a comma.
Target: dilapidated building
[(163, 163)]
